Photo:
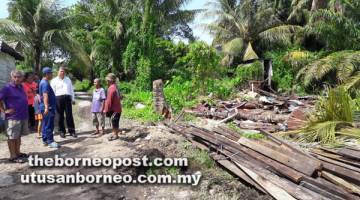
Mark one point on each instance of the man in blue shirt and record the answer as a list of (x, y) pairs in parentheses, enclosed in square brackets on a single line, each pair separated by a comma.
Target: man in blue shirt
[(47, 108)]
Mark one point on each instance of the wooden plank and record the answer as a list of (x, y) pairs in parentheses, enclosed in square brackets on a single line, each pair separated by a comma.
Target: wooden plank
[(238, 172), (228, 165), (275, 191), (308, 169), (349, 175), (236, 147), (335, 157), (285, 150), (341, 182), (222, 129), (293, 189), (330, 187), (353, 148), (231, 117), (226, 134), (331, 161), (318, 190), (349, 153)]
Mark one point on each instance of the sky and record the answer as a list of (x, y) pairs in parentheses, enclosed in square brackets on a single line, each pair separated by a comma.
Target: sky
[(199, 32)]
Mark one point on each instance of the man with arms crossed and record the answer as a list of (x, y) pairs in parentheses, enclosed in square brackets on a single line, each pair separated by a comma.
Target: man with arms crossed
[(47, 107), (64, 92), (13, 102)]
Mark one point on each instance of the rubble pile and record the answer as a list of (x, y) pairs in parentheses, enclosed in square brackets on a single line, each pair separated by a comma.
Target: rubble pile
[(253, 111), (277, 167)]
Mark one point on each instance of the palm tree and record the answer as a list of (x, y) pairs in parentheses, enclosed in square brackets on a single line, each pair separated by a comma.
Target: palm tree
[(248, 23), (171, 19), (40, 26), (339, 29), (341, 67)]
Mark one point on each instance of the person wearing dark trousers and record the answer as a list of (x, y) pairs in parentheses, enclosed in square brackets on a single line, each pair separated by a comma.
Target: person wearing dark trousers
[(64, 92)]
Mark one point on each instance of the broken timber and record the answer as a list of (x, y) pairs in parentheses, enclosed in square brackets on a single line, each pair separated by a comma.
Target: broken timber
[(277, 167)]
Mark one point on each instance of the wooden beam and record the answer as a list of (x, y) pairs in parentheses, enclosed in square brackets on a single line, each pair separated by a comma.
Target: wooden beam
[(237, 171), (342, 172), (307, 168), (331, 161), (275, 191), (236, 147), (341, 182)]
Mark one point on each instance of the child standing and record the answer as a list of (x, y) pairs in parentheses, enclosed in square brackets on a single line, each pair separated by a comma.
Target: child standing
[(97, 107), (38, 115)]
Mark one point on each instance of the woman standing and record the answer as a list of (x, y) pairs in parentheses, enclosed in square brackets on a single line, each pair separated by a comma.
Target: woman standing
[(30, 88)]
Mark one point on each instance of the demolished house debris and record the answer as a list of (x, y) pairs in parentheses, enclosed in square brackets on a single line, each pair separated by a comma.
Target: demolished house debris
[(271, 113), (272, 165), (280, 168)]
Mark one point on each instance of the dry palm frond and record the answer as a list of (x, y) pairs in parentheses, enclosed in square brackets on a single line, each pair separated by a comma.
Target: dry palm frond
[(323, 132), (353, 81)]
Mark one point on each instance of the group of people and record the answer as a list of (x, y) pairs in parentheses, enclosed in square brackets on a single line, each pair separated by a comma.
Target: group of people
[(28, 102)]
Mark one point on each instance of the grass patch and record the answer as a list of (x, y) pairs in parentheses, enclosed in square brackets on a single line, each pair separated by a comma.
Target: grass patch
[(173, 171), (144, 115), (198, 159), (233, 126), (256, 136)]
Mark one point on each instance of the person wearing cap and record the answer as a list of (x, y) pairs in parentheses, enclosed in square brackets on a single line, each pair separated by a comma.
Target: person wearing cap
[(65, 97), (112, 106), (13, 102), (47, 108)]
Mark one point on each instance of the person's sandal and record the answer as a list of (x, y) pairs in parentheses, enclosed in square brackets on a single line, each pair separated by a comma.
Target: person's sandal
[(23, 155), (112, 137), (18, 160)]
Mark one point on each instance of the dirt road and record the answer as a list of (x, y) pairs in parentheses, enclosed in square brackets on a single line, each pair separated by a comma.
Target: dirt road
[(136, 141)]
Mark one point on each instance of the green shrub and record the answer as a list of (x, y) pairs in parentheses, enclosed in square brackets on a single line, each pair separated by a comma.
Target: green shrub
[(283, 72), (83, 85), (143, 74), (203, 62), (221, 88), (333, 117), (145, 114), (180, 93), (248, 72)]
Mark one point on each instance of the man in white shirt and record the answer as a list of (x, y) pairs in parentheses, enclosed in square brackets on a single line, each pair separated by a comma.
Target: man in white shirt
[(64, 92)]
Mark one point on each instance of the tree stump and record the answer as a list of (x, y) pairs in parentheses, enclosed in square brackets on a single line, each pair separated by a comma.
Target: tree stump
[(160, 104)]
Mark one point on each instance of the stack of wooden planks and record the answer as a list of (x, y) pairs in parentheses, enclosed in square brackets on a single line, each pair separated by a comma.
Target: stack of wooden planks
[(277, 167)]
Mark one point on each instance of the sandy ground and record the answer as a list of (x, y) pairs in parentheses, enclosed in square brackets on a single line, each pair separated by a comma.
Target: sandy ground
[(137, 140), (131, 143)]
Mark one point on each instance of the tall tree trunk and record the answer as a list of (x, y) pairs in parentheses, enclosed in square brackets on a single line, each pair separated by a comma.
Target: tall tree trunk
[(37, 59), (319, 4), (92, 73)]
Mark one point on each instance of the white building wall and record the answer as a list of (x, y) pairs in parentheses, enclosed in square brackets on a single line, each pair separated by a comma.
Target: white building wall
[(7, 64)]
